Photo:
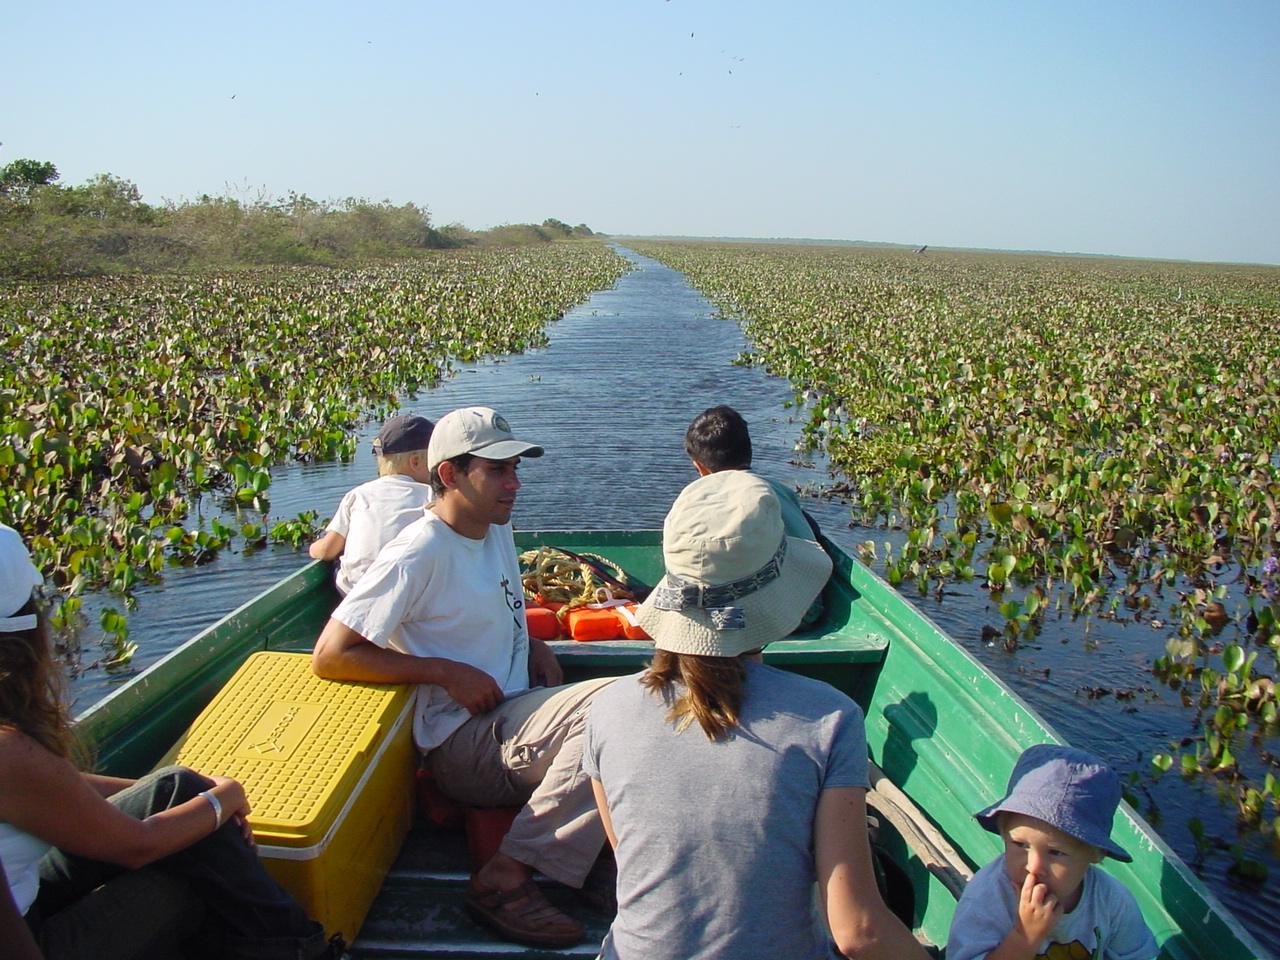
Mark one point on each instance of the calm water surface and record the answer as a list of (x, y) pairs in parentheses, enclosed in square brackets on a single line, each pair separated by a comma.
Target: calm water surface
[(610, 398)]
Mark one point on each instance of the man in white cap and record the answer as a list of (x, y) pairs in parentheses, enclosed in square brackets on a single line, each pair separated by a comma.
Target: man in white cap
[(442, 606)]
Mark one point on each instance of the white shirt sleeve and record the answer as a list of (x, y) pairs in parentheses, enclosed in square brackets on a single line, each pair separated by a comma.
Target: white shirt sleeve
[(341, 522), (385, 595)]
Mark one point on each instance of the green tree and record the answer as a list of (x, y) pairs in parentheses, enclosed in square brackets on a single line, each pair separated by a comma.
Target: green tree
[(106, 199), (19, 178)]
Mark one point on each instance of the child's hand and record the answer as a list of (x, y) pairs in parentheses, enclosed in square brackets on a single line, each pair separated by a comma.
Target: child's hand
[(1038, 910)]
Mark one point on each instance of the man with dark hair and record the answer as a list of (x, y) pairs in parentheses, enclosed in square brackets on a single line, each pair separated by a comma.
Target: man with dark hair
[(443, 607), (718, 439)]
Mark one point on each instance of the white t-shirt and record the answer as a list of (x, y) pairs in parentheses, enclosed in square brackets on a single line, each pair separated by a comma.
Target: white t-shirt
[(370, 516), (1106, 923), (432, 592), (20, 853)]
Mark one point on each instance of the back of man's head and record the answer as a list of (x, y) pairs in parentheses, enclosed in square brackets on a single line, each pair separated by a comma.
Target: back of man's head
[(718, 439)]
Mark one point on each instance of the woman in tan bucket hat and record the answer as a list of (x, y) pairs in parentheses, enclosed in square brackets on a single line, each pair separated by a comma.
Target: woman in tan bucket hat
[(727, 787)]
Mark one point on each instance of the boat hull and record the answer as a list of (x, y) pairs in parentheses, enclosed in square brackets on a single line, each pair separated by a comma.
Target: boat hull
[(944, 730)]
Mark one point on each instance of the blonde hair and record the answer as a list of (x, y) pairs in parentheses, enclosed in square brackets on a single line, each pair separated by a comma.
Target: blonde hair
[(710, 690), (31, 688), (392, 463)]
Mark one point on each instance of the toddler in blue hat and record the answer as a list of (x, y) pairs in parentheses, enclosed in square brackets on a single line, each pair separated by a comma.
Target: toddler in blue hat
[(1043, 898)]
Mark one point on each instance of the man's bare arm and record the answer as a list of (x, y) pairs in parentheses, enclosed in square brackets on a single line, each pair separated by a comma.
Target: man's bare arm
[(329, 546), (343, 654)]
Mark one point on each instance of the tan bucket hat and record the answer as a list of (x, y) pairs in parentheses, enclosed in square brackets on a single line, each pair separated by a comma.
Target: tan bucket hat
[(734, 580)]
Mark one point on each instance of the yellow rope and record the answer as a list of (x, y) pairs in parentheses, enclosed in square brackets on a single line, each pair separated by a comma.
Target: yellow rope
[(550, 576)]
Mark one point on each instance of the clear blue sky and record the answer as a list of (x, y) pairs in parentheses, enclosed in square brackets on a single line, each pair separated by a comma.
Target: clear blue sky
[(1136, 128)]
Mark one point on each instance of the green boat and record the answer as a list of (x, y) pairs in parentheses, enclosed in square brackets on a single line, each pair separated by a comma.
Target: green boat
[(943, 734)]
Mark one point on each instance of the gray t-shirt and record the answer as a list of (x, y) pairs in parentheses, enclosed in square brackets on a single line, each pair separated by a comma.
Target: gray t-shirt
[(715, 839), (1105, 924)]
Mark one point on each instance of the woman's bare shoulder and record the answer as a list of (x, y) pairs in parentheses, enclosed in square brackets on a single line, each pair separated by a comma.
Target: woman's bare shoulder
[(24, 762), (14, 743)]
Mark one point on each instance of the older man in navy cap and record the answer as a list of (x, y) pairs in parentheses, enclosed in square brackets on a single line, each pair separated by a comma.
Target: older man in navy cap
[(370, 516)]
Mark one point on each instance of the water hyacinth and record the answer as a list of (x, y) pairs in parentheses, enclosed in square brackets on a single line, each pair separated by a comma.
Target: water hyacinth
[(123, 397), (1081, 437)]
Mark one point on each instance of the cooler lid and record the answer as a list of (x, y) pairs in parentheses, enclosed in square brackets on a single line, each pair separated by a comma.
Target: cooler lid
[(301, 746)]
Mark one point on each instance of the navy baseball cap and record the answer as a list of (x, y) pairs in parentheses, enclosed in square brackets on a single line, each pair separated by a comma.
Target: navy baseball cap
[(403, 433)]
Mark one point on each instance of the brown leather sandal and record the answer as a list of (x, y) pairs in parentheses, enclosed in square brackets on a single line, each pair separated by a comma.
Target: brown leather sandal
[(524, 915)]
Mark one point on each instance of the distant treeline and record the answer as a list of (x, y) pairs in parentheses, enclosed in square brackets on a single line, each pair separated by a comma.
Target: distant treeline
[(103, 226)]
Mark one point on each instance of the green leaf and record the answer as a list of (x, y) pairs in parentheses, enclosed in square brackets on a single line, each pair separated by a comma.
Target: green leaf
[(1010, 609), (1226, 759), (1224, 717)]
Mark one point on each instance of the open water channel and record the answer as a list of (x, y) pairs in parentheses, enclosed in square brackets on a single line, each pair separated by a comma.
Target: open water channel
[(610, 398)]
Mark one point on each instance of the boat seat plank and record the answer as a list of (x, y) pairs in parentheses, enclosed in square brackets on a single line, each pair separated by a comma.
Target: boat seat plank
[(850, 645), (919, 833)]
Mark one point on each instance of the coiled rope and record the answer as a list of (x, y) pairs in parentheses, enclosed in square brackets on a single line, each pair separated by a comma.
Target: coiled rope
[(552, 575)]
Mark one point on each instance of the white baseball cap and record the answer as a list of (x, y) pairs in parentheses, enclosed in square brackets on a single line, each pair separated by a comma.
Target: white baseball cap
[(479, 431), (18, 577)]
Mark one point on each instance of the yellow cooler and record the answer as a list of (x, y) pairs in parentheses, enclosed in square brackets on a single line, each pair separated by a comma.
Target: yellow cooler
[(329, 770)]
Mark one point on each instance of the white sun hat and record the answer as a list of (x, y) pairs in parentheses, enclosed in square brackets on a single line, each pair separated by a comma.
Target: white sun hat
[(734, 580), (18, 577)]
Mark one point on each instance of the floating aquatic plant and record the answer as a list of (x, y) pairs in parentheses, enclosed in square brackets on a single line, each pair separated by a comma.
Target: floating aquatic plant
[(123, 398), (1104, 433)]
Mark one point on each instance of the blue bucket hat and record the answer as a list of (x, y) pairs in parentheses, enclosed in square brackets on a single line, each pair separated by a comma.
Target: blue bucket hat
[(1069, 789)]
